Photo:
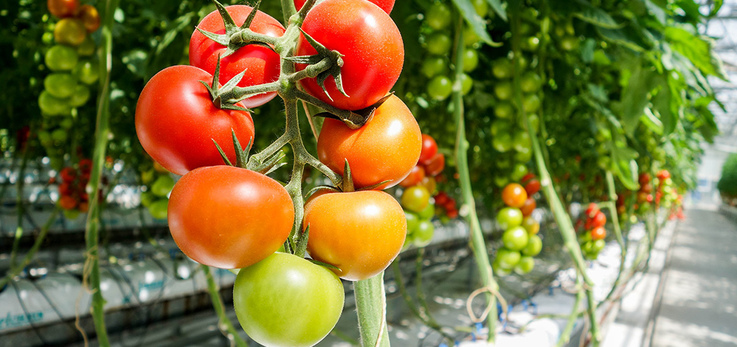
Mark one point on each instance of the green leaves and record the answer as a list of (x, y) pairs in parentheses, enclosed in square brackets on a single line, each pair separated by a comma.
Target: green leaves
[(635, 96), (625, 166), (475, 21), (498, 8), (697, 49), (598, 17)]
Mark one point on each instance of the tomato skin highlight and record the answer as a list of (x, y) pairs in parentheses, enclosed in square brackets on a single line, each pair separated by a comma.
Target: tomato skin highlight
[(229, 217), (176, 121), (359, 232), (262, 64), (386, 148), (285, 300), (372, 48), (386, 5)]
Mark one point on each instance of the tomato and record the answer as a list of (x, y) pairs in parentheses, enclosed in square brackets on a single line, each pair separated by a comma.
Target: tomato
[(506, 258), (87, 47), (385, 149), (385, 5), (503, 90), (531, 44), (429, 148), (502, 68), (439, 43), (67, 174), (525, 265), (518, 171), (70, 31), (435, 165), (530, 82), (412, 221), (60, 57), (261, 64), (87, 71), (644, 178), (470, 60), (53, 106), (598, 233), (528, 207), (599, 220), (162, 186), (502, 142), (177, 122), (367, 75), (531, 225), (532, 187), (663, 174), (440, 87), (481, 7), (434, 65), (285, 300), (646, 188), (424, 233), (501, 126), (533, 119), (79, 97), (159, 209), (62, 8), (415, 198), (522, 141), (504, 109), (438, 16), (592, 210), (514, 195), (67, 202), (414, 178), (598, 245), (90, 17), (229, 217), (531, 103), (515, 238), (534, 246), (430, 184), (358, 232), (470, 38), (569, 43), (60, 85), (466, 84), (509, 217)]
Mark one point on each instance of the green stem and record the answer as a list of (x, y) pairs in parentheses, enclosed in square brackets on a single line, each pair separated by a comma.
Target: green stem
[(224, 324), (478, 244), (612, 205), (19, 203), (565, 336), (371, 310), (16, 269)]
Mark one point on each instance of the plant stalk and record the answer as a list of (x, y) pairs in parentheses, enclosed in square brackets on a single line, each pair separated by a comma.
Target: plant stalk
[(371, 310), (224, 323)]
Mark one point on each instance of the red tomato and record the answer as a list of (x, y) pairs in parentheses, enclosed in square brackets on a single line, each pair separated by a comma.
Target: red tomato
[(592, 210), (229, 217), (429, 148), (532, 187), (372, 48), (385, 5), (527, 177), (67, 202), (359, 232), (528, 207), (644, 178), (85, 165), (441, 198), (62, 8), (435, 165), (514, 195), (647, 188), (663, 174), (176, 121), (65, 189), (90, 17), (261, 63), (599, 220), (67, 174), (452, 214), (414, 178), (598, 233), (384, 149)]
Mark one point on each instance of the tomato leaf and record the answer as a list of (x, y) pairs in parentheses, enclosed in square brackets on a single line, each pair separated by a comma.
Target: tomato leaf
[(697, 49), (496, 5), (635, 96), (662, 103), (475, 21), (625, 166), (598, 17)]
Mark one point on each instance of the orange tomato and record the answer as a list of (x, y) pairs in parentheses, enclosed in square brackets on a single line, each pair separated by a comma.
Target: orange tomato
[(514, 195)]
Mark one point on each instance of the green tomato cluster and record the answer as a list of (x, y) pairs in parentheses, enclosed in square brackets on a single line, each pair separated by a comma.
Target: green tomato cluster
[(157, 183), (419, 211), (520, 241)]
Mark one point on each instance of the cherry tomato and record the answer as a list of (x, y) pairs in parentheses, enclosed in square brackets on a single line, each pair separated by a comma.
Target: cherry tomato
[(414, 178), (415, 198), (162, 186), (525, 265), (53, 106), (428, 212), (644, 178), (424, 233), (506, 258), (70, 31), (62, 8), (87, 47), (532, 187), (177, 122), (514, 195), (530, 82), (67, 174), (441, 198), (438, 16), (435, 165), (439, 43), (385, 5), (60, 58), (531, 225), (358, 232), (522, 141), (502, 142), (60, 85), (515, 238), (599, 220), (413, 221), (503, 90), (367, 75), (285, 300), (646, 188), (518, 171), (260, 63), (79, 96), (434, 65), (466, 84), (430, 184), (592, 210), (470, 60), (452, 214), (429, 148), (229, 217), (67, 202), (598, 245), (534, 246), (504, 109), (502, 68), (531, 103), (663, 174), (86, 71), (90, 17), (528, 207), (509, 217), (159, 209), (440, 87), (598, 233), (384, 149)]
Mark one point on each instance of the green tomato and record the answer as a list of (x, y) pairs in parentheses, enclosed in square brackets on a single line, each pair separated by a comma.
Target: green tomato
[(53, 106), (470, 60), (503, 90), (44, 137), (518, 171), (534, 246), (500, 126), (504, 162), (61, 58), (163, 185), (502, 68), (439, 43), (59, 135), (501, 181), (499, 270), (522, 156), (481, 7), (428, 212), (569, 43), (534, 122), (412, 221), (504, 109), (470, 38), (80, 96), (502, 142), (525, 265), (530, 82), (71, 214), (434, 65), (515, 238), (147, 198), (598, 245), (60, 85), (423, 234), (466, 84), (531, 44), (507, 258), (87, 71), (415, 198), (87, 48), (509, 217), (522, 141), (531, 103), (440, 87), (158, 209), (285, 300), (438, 16)]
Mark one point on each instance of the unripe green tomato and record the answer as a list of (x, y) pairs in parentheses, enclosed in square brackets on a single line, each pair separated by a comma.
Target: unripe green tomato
[(163, 185), (518, 171), (515, 238), (503, 90), (415, 198), (470, 38), (499, 270), (80, 96), (427, 213), (60, 85), (148, 176), (569, 43), (434, 65), (501, 181), (522, 141), (502, 68), (504, 162), (481, 7), (147, 198), (440, 87), (598, 245), (53, 106), (470, 60), (59, 135), (531, 103), (87, 71), (522, 156), (71, 214), (44, 137), (534, 246), (438, 16), (504, 109), (500, 126), (158, 208), (424, 233), (530, 82), (525, 265), (531, 44), (509, 217), (47, 38), (507, 258), (412, 222), (87, 48), (502, 142), (439, 43), (534, 122), (61, 58), (466, 84)]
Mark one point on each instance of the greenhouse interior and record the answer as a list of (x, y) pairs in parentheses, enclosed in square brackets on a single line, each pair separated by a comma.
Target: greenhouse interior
[(506, 173)]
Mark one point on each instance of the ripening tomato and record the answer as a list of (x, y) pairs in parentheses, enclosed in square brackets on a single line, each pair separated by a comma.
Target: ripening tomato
[(429, 148), (285, 300), (528, 207), (514, 195), (262, 64), (67, 202), (177, 122), (531, 225), (385, 5), (644, 178), (229, 217), (592, 210), (356, 29), (430, 184), (435, 165), (663, 174), (62, 8), (532, 187), (598, 233), (70, 31), (415, 199), (414, 178), (599, 220), (534, 246), (358, 232), (90, 17), (385, 149)]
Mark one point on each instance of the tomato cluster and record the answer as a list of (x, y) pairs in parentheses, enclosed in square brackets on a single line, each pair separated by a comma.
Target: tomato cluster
[(73, 197), (157, 184), (73, 71), (593, 233), (520, 238)]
